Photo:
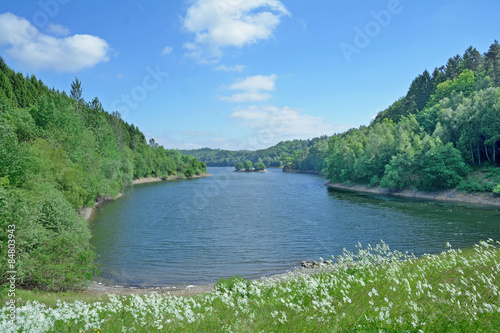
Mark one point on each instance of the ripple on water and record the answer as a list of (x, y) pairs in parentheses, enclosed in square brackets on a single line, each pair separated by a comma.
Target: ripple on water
[(255, 224)]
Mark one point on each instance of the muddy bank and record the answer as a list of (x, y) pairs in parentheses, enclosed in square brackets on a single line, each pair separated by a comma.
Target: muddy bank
[(161, 179), (99, 289), (287, 169), (88, 212), (484, 199)]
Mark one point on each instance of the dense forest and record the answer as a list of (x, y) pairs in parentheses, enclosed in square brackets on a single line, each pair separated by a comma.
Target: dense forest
[(444, 133), (59, 153)]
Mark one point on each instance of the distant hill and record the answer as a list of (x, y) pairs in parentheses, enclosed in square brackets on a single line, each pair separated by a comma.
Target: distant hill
[(274, 156)]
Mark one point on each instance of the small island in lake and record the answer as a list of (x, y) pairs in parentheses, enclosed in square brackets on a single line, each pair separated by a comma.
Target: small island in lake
[(248, 166)]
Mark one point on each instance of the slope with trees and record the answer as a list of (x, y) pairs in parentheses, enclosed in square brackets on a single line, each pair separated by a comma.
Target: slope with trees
[(274, 156), (444, 133), (59, 153)]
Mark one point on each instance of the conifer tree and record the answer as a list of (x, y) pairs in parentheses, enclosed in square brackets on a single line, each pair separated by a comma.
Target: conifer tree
[(493, 62), (76, 92)]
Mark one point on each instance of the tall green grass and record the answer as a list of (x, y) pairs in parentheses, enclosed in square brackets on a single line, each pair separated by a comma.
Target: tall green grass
[(371, 290)]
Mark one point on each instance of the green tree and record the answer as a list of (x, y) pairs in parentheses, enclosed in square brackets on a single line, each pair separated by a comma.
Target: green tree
[(6, 89), (239, 166), (400, 172), (14, 163), (248, 165), (472, 59), (493, 62), (259, 166), (454, 67), (76, 93), (442, 167)]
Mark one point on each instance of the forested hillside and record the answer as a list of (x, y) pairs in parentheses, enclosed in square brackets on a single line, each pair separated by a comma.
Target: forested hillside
[(59, 153), (275, 156), (444, 133)]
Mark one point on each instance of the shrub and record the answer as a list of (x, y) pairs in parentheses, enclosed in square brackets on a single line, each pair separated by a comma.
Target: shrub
[(248, 165), (442, 167), (374, 181), (259, 166), (239, 166), (52, 242)]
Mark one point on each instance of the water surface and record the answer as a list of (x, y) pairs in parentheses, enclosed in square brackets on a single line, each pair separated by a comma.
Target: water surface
[(255, 224)]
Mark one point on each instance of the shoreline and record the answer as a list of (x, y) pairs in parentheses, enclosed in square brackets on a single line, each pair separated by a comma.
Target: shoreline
[(88, 212), (147, 180), (452, 196), (99, 289), (290, 170)]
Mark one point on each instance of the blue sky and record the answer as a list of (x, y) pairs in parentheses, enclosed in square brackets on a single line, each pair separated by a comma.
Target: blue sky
[(241, 74)]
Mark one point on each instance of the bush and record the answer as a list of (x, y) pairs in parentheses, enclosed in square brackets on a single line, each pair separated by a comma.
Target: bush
[(442, 167), (484, 179), (259, 166), (473, 184), (248, 165), (189, 172), (375, 181), (239, 166), (53, 249), (399, 172)]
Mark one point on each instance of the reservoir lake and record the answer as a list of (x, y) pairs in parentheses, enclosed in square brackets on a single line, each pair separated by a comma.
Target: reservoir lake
[(195, 231)]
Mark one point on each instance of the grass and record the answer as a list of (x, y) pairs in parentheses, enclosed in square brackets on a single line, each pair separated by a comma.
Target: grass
[(374, 289)]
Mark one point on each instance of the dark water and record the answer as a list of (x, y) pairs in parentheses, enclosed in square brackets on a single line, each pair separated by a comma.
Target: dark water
[(255, 224)]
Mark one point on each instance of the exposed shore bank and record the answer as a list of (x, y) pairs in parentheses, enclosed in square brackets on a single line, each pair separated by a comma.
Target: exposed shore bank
[(99, 289), (288, 169), (454, 196), (138, 181), (88, 212)]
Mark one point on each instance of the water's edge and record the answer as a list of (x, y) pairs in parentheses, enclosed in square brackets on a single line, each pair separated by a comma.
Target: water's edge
[(88, 212), (453, 196)]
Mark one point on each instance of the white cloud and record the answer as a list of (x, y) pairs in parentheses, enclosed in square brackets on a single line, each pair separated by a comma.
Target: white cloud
[(235, 68), (57, 29), (166, 50), (271, 124), (199, 133), (36, 50), (252, 89), (223, 23)]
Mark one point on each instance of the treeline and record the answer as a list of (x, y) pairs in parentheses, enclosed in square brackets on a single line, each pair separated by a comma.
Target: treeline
[(59, 153), (275, 156), (445, 128)]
